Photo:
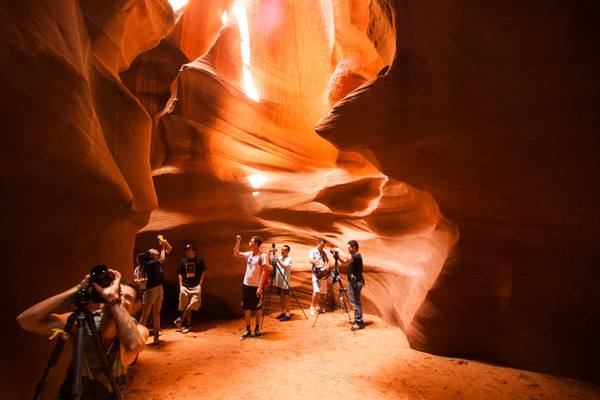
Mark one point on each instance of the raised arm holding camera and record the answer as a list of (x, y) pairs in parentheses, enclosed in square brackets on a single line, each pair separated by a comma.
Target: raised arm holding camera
[(254, 278), (122, 337), (152, 298), (356, 279)]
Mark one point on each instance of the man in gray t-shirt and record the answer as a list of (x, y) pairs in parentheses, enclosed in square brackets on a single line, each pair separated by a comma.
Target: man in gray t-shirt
[(282, 265)]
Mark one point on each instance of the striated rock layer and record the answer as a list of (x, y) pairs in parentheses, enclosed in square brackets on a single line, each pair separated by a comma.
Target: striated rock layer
[(491, 109), (75, 174), (215, 132), (482, 127)]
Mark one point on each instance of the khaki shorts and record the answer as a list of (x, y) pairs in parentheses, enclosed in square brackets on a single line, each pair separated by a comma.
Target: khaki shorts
[(317, 284), (152, 295), (189, 298)]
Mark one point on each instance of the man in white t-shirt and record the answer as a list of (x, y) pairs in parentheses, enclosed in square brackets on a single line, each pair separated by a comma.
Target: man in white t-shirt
[(282, 266), (254, 278), (320, 271)]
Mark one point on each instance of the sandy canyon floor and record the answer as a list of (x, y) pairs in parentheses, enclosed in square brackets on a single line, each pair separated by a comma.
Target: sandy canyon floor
[(294, 360)]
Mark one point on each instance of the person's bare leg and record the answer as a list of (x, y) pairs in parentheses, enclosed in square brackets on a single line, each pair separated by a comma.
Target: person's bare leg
[(286, 300), (146, 308), (315, 300), (259, 316), (156, 317), (282, 300), (248, 317)]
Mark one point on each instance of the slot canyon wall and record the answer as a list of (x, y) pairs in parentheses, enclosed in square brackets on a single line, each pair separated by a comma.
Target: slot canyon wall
[(465, 170)]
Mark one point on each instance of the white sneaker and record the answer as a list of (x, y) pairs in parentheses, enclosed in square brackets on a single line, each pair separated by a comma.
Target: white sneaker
[(312, 311)]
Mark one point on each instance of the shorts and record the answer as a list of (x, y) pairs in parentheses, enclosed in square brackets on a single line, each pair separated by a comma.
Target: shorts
[(282, 290), (153, 295), (250, 301), (317, 286), (189, 298)]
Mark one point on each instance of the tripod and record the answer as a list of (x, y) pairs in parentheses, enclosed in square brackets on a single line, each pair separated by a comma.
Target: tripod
[(84, 318), (273, 274), (342, 297)]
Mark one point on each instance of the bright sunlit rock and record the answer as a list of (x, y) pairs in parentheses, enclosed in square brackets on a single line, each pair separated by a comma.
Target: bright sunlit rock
[(177, 5), (256, 181)]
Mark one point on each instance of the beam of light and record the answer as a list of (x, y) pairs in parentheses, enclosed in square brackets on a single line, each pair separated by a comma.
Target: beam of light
[(257, 180), (224, 18), (240, 14), (177, 5)]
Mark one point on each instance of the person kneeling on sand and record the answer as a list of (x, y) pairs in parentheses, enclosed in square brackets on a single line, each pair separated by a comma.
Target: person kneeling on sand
[(254, 278), (191, 274)]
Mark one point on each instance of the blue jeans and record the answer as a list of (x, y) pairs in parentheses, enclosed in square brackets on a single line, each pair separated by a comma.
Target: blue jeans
[(354, 295)]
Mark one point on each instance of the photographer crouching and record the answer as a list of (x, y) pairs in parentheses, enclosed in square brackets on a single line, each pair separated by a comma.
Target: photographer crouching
[(122, 337), (356, 280)]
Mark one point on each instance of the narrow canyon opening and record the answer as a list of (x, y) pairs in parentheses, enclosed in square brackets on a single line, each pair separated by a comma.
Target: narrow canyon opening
[(248, 107)]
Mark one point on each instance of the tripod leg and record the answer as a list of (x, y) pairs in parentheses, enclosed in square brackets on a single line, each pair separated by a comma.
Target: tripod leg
[(102, 352), (292, 292), (316, 318), (345, 300), (54, 357), (77, 388)]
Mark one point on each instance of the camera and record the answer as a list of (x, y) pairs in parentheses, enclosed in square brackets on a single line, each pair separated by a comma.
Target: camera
[(335, 253), (98, 274)]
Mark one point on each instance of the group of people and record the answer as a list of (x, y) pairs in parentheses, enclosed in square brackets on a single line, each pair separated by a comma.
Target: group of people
[(149, 274), (121, 299), (323, 276)]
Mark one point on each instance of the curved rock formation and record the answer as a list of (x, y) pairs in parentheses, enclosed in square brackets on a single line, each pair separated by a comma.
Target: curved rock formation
[(214, 134), (75, 170), (489, 108), (480, 129)]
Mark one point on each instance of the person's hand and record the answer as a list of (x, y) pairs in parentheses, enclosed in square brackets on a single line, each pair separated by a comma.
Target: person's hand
[(113, 291), (238, 238), (259, 292), (85, 282)]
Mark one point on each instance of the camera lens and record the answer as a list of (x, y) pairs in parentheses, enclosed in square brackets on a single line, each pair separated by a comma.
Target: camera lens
[(100, 275)]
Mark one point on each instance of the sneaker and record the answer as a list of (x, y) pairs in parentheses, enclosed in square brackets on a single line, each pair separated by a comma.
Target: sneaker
[(178, 324), (246, 334), (257, 332), (280, 316), (357, 327), (312, 311), (285, 318), (185, 329)]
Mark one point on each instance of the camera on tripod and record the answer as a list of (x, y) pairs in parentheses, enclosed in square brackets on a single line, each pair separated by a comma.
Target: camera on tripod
[(98, 274)]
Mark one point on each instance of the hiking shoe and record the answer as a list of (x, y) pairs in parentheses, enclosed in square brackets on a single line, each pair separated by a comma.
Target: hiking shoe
[(156, 339), (357, 327), (285, 318), (257, 333), (280, 316), (185, 329), (178, 324), (246, 334)]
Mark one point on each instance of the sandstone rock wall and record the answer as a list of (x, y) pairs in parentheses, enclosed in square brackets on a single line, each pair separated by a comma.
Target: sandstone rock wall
[(491, 108), (75, 175)]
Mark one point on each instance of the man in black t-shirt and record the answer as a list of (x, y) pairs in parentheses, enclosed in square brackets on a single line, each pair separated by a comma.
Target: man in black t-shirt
[(191, 276), (356, 281), (153, 295)]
